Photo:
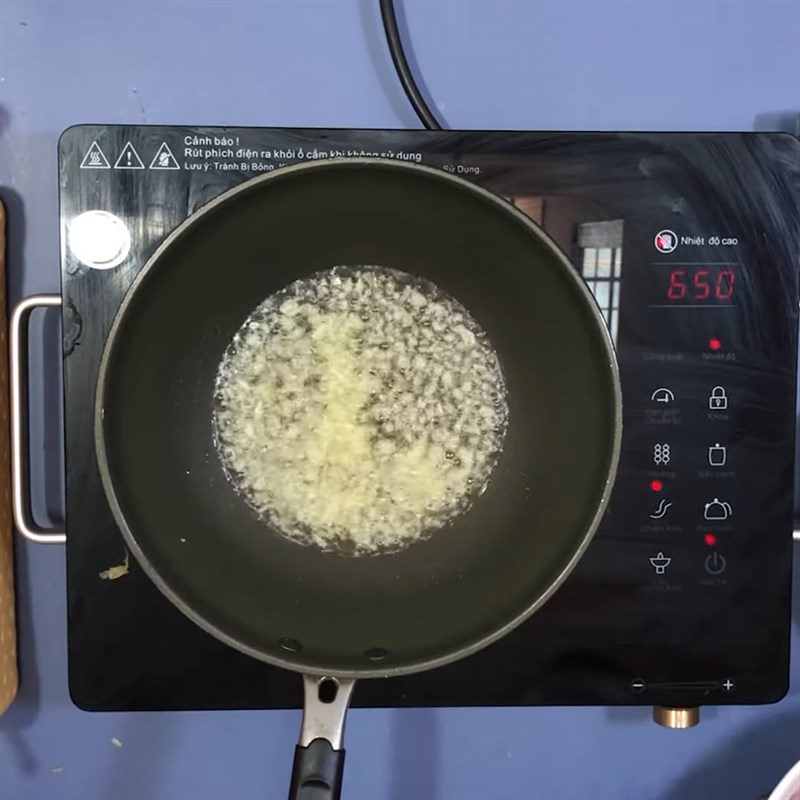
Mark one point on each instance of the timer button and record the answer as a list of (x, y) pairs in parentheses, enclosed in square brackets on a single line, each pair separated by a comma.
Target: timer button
[(663, 395)]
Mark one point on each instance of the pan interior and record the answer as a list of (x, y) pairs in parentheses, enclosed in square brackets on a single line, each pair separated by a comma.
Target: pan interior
[(359, 410), (299, 605)]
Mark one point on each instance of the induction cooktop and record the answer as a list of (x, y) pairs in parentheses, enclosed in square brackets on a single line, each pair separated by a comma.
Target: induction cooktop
[(689, 243)]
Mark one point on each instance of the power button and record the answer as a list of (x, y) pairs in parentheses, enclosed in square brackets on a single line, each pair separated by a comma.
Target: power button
[(716, 564)]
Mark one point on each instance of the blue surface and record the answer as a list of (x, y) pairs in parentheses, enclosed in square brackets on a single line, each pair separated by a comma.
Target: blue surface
[(535, 65)]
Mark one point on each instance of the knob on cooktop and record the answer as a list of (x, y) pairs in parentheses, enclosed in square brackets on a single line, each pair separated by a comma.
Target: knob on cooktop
[(678, 718)]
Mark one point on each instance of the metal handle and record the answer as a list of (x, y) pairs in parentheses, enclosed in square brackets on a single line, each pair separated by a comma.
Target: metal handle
[(319, 757), (325, 720), (18, 362)]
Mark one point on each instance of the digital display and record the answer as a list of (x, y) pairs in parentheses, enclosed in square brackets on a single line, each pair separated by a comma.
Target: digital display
[(699, 284)]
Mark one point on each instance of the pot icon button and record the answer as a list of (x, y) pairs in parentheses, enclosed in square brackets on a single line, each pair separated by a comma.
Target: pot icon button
[(717, 510), (717, 455)]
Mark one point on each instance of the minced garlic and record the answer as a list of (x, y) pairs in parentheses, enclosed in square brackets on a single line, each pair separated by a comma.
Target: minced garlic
[(359, 409)]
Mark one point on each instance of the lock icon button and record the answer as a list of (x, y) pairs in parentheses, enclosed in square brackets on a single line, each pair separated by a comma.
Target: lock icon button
[(718, 400)]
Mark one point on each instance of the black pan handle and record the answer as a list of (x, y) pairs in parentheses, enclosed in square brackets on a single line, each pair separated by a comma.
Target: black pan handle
[(319, 757)]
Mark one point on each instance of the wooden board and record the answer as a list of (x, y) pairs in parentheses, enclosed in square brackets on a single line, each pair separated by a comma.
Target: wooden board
[(8, 639)]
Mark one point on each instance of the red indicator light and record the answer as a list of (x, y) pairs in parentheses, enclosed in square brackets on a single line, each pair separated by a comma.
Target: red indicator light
[(715, 344), (656, 485), (710, 539)]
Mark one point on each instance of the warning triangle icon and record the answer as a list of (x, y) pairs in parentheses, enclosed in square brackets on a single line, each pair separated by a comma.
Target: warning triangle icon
[(128, 159), (164, 159), (95, 158)]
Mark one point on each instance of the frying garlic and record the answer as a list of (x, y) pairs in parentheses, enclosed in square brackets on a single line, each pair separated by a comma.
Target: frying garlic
[(359, 409)]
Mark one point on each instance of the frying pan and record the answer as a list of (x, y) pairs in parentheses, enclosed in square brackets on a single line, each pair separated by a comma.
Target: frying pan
[(333, 617)]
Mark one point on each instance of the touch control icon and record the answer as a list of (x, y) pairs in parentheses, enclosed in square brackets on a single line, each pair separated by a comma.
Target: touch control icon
[(717, 510), (660, 563), (661, 511), (717, 455), (718, 399), (661, 454), (716, 564), (662, 395)]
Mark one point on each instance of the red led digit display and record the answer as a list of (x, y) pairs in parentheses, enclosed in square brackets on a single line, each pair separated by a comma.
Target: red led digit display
[(723, 289), (700, 285)]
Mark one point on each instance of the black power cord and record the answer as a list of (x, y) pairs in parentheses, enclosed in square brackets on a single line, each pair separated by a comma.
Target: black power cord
[(403, 70)]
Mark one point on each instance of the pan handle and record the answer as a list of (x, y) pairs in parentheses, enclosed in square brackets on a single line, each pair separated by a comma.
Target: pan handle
[(18, 362), (319, 757)]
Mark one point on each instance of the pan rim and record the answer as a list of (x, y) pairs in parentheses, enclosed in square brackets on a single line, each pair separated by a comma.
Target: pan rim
[(376, 671)]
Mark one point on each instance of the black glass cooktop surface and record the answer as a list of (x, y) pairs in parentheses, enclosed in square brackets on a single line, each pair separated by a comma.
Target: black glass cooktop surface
[(690, 245)]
